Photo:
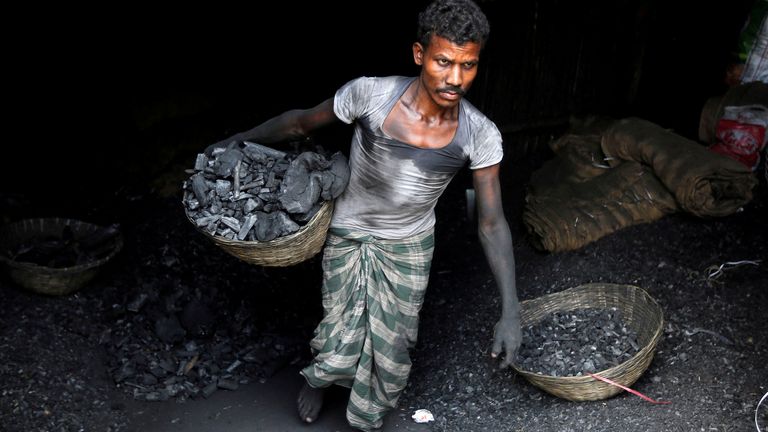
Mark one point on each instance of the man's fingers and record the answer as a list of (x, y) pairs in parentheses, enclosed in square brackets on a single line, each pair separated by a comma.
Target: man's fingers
[(509, 356), (496, 347), (504, 364), (507, 361)]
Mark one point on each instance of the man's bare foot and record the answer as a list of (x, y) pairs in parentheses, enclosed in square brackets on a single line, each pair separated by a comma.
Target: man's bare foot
[(310, 402)]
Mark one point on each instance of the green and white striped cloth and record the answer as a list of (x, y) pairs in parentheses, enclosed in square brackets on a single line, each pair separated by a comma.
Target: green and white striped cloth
[(373, 290)]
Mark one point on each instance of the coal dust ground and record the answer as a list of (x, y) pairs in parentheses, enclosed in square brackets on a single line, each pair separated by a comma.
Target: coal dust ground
[(57, 375)]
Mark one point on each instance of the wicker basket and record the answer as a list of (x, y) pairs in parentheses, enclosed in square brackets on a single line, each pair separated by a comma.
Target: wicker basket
[(640, 312), (282, 251), (49, 280)]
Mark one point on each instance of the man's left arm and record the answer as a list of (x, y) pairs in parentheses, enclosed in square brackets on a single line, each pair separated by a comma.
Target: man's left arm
[(496, 241)]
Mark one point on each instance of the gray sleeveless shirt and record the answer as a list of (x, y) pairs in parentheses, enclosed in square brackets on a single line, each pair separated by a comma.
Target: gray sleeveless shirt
[(394, 186)]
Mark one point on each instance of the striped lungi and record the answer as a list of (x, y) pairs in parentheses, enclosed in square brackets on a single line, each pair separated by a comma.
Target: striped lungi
[(373, 290)]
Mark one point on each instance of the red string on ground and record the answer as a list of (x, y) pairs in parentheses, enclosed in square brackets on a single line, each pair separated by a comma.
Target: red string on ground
[(635, 392)]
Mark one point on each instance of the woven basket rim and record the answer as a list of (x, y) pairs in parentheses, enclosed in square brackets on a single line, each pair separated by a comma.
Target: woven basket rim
[(292, 242), (284, 239), (29, 266)]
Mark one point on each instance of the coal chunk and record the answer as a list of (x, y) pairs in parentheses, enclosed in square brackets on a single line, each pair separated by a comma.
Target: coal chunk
[(249, 192)]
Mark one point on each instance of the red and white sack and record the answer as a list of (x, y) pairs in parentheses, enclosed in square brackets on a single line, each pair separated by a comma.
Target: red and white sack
[(741, 134)]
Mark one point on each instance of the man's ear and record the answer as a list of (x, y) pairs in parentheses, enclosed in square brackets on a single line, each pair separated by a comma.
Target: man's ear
[(418, 53)]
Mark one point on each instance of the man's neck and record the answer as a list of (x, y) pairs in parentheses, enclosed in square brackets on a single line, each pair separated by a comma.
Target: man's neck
[(419, 103)]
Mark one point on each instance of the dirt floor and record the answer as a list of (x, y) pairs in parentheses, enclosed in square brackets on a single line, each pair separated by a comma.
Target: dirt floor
[(59, 356)]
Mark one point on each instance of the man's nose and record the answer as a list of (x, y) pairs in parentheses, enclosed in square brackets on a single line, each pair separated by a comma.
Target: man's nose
[(455, 76)]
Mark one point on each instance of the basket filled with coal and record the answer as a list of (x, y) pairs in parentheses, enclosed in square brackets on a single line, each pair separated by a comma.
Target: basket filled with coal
[(608, 330), (57, 256), (264, 206)]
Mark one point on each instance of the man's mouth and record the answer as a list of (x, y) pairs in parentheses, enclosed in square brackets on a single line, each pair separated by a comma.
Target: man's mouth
[(452, 91)]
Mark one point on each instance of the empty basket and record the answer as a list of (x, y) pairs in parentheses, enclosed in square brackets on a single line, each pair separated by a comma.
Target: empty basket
[(51, 280)]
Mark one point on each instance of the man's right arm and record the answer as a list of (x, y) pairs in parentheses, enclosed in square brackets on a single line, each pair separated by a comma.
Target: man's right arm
[(288, 126)]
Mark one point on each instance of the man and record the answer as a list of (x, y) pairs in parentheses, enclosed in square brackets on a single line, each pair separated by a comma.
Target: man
[(412, 134)]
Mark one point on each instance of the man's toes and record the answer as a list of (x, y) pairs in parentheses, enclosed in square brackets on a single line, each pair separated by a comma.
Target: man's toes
[(309, 402)]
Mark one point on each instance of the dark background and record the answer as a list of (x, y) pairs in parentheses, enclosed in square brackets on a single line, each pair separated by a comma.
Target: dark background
[(97, 99), (105, 107)]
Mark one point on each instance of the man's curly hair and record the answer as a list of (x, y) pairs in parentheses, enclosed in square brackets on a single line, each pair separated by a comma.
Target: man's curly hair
[(459, 21)]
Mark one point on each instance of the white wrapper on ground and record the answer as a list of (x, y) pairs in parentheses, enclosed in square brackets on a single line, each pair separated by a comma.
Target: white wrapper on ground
[(422, 416)]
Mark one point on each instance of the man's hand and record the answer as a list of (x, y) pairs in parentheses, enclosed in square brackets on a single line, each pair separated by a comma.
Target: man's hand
[(223, 143), (506, 336)]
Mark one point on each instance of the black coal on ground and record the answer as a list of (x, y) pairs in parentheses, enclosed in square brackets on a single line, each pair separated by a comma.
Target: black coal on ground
[(173, 318)]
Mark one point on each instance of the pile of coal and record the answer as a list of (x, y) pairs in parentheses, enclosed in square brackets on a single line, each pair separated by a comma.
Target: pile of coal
[(179, 345), (251, 192), (573, 343)]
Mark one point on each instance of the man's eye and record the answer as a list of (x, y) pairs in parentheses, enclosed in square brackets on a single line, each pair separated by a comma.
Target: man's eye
[(469, 66), (443, 62)]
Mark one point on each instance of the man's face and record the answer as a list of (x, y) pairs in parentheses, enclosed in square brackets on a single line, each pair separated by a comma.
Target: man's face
[(447, 69)]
